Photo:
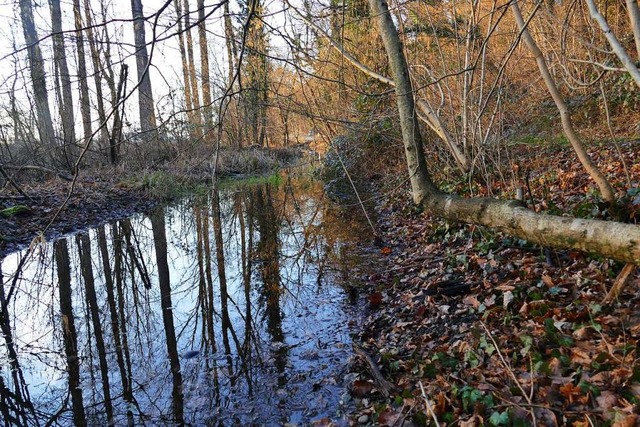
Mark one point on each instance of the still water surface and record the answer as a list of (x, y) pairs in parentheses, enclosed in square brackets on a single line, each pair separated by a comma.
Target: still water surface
[(223, 309)]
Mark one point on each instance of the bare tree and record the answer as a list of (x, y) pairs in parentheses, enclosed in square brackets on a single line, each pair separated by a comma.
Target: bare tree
[(60, 59), (85, 107), (606, 190), (204, 69), (38, 76), (145, 94), (610, 239)]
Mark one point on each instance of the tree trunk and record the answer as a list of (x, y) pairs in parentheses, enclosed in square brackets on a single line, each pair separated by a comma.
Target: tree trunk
[(607, 192), (188, 102), (608, 239), (60, 58), (85, 107), (421, 183), (204, 69), (195, 94), (38, 76), (634, 20), (428, 116), (97, 73), (145, 95), (617, 48)]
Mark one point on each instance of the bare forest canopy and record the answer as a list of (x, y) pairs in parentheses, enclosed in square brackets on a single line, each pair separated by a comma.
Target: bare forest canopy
[(90, 83)]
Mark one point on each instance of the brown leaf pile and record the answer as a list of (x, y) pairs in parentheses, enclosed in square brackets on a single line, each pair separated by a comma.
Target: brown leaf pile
[(476, 328)]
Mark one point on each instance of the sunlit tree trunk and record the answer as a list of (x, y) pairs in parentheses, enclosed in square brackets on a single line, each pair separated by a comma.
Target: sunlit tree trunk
[(607, 192), (195, 93), (69, 331), (609, 239), (634, 19), (164, 280), (204, 70), (256, 79), (60, 58), (188, 102), (38, 76), (145, 94)]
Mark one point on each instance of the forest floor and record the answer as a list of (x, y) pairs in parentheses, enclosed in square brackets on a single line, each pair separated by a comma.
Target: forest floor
[(47, 214), (469, 327)]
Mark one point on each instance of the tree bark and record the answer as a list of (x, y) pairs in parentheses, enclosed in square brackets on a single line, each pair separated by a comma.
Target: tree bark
[(609, 239), (634, 20), (428, 116), (617, 48), (60, 58), (204, 70), (85, 107), (38, 76), (195, 93), (145, 94), (607, 192), (97, 73), (421, 183), (188, 102)]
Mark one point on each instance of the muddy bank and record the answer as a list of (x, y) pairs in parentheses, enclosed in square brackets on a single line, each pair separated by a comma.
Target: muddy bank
[(90, 204)]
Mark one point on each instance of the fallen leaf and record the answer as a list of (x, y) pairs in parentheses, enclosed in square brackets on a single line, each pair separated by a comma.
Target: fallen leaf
[(385, 251), (626, 421), (361, 388), (375, 299), (388, 418), (547, 280), (474, 421), (574, 394)]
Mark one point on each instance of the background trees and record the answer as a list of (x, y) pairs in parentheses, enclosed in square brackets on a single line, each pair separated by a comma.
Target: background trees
[(285, 73)]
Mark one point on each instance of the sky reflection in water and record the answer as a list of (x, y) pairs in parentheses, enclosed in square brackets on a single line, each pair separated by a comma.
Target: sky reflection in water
[(136, 318)]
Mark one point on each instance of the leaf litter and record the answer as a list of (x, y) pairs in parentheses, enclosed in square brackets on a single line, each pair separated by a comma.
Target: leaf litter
[(472, 327)]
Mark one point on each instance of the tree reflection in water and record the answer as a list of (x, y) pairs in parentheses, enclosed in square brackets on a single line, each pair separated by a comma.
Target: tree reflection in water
[(220, 310)]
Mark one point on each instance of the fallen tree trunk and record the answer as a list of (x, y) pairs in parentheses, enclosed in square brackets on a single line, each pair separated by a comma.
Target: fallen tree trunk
[(610, 239), (614, 240)]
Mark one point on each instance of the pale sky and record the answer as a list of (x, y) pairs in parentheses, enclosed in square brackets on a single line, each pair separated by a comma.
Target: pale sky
[(166, 74)]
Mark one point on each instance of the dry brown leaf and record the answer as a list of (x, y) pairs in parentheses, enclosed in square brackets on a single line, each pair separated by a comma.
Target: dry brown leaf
[(388, 418), (574, 394), (361, 388), (606, 402), (580, 356), (583, 334), (474, 421), (626, 421), (548, 281), (471, 300)]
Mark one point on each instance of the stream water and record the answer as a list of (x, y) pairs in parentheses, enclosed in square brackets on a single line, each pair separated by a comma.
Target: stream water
[(228, 308)]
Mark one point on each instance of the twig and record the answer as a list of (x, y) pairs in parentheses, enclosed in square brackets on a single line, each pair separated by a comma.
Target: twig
[(620, 283), (424, 396), (14, 184), (385, 386)]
